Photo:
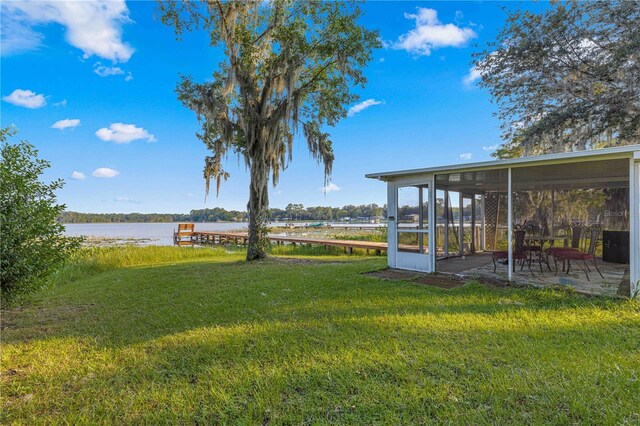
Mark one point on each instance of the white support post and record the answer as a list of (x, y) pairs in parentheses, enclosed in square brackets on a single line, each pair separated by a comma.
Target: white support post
[(420, 221), (553, 213), (510, 224), (484, 223), (446, 223), (474, 243), (461, 224), (392, 234), (432, 222), (634, 226)]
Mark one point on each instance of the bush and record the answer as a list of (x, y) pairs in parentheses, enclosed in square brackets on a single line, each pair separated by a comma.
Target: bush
[(31, 242)]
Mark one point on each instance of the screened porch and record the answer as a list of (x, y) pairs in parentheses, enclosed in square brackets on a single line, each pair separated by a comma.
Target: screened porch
[(555, 207), (568, 222)]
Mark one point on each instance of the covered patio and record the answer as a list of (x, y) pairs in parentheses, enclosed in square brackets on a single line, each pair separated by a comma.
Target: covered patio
[(568, 219)]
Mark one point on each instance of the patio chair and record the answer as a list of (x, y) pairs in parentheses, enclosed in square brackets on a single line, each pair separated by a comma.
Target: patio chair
[(532, 229), (570, 254), (518, 253), (576, 232)]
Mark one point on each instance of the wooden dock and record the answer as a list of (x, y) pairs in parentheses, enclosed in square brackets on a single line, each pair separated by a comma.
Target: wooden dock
[(213, 238)]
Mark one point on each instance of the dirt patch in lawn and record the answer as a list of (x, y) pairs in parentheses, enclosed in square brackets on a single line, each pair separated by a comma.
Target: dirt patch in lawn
[(446, 281), (300, 261), (39, 320)]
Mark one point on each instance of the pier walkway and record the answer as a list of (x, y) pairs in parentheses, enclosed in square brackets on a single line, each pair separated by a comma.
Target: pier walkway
[(240, 238)]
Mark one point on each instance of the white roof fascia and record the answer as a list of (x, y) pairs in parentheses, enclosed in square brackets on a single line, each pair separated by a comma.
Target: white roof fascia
[(563, 157)]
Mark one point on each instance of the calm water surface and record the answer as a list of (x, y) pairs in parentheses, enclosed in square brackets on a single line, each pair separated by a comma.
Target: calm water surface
[(151, 233), (162, 233)]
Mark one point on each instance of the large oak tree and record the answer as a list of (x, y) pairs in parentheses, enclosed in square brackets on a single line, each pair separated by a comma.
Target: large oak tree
[(567, 78), (289, 68)]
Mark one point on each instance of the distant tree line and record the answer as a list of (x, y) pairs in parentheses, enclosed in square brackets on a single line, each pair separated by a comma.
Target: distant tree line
[(349, 212), (218, 214)]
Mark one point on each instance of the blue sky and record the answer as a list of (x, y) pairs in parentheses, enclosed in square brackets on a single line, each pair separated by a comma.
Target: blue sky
[(91, 85)]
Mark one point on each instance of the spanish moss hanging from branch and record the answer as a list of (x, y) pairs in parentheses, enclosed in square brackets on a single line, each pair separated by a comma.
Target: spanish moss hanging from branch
[(288, 64)]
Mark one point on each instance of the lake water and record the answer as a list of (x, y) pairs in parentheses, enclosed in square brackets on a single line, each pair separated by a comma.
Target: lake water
[(162, 233), (149, 233)]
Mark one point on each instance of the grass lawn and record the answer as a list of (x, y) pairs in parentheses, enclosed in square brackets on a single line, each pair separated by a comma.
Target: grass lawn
[(182, 336)]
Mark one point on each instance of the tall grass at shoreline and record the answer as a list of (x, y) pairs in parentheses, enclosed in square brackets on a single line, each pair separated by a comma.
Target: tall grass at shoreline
[(94, 260), (313, 250)]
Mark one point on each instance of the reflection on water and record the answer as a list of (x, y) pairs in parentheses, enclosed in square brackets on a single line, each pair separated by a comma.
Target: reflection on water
[(142, 233), (162, 233)]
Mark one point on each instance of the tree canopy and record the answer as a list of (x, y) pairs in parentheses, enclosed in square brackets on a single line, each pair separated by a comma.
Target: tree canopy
[(566, 79), (289, 68)]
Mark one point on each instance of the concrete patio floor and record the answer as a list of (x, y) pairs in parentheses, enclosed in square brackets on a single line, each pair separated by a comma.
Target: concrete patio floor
[(615, 282)]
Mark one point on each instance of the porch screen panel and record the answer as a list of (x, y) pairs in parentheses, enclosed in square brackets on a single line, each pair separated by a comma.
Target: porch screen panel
[(585, 206), (479, 223), (413, 219), (440, 225), (467, 224)]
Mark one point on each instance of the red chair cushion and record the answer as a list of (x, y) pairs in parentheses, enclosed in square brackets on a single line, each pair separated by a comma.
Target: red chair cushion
[(503, 254), (574, 255), (557, 250)]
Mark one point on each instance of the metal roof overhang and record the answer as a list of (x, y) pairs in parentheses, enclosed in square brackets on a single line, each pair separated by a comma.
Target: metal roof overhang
[(629, 151)]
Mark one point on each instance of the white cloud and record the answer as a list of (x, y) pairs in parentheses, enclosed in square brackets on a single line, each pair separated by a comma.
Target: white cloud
[(124, 133), (430, 34), (16, 34), (26, 98), (466, 156), (362, 106), (78, 175), (491, 147), (62, 103), (95, 27), (129, 77), (105, 172), (473, 76), (66, 124), (105, 71), (126, 200), (332, 187)]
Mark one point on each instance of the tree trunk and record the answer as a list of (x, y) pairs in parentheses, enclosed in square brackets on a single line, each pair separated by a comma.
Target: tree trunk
[(258, 208)]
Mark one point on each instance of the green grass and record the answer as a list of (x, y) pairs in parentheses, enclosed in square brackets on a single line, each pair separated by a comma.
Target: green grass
[(185, 336), (371, 234)]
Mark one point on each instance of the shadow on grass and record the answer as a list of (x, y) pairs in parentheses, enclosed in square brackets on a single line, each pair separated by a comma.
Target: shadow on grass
[(357, 369), (138, 304), (286, 342)]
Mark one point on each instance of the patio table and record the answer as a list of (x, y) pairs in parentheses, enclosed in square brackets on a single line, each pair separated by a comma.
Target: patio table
[(540, 241)]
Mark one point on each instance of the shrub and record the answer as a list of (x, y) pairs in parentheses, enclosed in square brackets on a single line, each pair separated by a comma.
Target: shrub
[(31, 242)]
